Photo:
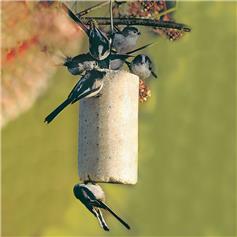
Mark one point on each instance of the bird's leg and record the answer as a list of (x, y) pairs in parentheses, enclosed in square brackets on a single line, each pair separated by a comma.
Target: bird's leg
[(90, 180)]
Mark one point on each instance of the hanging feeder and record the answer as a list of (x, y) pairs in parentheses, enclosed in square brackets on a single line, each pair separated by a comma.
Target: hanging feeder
[(108, 131)]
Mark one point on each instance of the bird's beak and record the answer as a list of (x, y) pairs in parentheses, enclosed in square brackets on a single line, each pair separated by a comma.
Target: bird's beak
[(138, 33)]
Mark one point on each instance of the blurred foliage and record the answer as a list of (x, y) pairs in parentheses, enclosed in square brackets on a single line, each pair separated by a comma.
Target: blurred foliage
[(33, 34), (186, 145)]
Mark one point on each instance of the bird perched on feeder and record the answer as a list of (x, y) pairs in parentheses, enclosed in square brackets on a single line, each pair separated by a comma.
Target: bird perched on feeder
[(85, 62), (126, 40), (99, 43), (117, 62), (90, 85), (80, 63), (93, 197), (141, 66)]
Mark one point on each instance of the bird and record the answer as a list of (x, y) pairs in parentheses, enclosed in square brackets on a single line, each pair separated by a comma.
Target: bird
[(99, 43), (117, 60), (80, 63), (89, 85), (141, 66), (125, 40), (114, 61), (85, 62), (93, 197)]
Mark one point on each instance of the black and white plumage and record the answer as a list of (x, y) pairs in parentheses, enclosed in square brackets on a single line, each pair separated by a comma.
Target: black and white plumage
[(99, 43), (85, 62), (141, 66), (126, 40), (80, 64), (93, 197), (89, 85)]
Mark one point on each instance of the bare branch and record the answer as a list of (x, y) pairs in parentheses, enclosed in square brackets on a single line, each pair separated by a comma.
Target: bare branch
[(138, 21)]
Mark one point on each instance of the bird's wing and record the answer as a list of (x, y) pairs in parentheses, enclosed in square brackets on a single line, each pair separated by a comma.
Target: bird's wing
[(118, 39), (81, 86), (86, 93), (96, 33), (82, 58), (104, 206)]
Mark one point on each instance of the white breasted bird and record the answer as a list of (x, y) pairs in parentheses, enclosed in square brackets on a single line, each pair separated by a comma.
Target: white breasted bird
[(85, 62), (141, 66), (99, 43), (117, 60), (126, 40), (80, 63), (90, 85), (93, 197)]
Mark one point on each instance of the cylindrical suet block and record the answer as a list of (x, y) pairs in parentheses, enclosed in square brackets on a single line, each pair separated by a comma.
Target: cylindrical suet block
[(108, 131)]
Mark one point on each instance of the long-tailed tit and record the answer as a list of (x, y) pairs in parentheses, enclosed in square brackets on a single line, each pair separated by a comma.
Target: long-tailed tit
[(80, 63), (89, 85), (85, 62), (93, 197), (99, 43), (126, 40), (117, 62), (141, 66)]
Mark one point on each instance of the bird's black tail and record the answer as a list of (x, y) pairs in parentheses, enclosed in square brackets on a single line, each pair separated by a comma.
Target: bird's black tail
[(138, 49), (114, 214), (75, 18), (53, 114)]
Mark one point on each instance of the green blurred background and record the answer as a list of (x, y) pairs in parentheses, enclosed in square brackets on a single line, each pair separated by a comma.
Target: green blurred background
[(187, 141)]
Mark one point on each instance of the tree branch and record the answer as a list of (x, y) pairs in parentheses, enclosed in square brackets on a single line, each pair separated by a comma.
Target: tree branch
[(138, 21)]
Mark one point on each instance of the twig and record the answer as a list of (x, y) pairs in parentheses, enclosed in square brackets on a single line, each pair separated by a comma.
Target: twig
[(166, 12), (138, 21), (86, 11), (111, 17)]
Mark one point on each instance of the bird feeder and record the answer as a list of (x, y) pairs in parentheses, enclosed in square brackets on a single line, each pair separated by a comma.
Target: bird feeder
[(108, 131)]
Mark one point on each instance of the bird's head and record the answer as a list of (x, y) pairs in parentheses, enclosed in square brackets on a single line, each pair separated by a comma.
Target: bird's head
[(67, 61), (141, 59), (131, 31)]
